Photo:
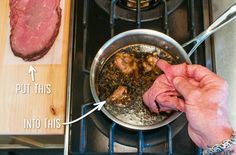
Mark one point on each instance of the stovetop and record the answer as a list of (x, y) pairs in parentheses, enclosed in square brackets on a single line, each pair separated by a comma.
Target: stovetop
[(95, 22)]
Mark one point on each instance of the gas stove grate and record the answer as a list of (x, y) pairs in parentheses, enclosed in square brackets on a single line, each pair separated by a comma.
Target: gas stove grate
[(141, 144), (191, 24), (112, 23)]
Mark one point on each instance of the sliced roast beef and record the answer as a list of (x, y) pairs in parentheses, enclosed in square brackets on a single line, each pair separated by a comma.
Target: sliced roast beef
[(34, 27), (162, 95)]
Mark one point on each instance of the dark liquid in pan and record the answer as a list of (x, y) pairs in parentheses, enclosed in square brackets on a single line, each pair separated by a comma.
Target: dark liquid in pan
[(110, 78)]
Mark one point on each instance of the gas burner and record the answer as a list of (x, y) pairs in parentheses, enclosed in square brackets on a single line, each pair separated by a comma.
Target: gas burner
[(132, 4), (150, 9), (129, 137)]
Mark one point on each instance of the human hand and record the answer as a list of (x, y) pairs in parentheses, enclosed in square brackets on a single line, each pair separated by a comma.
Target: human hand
[(205, 102), (205, 106)]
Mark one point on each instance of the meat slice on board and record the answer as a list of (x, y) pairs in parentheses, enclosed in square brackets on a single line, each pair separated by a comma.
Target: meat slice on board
[(34, 27)]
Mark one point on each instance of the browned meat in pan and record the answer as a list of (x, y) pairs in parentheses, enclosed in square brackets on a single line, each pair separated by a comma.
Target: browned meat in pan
[(121, 93), (150, 63), (126, 63)]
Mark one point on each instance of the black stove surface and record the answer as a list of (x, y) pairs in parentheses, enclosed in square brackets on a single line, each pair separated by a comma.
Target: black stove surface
[(98, 134)]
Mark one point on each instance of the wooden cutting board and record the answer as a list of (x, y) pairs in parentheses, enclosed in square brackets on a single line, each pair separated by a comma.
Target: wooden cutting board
[(27, 106)]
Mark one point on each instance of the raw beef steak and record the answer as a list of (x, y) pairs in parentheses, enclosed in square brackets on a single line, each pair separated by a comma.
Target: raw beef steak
[(34, 27)]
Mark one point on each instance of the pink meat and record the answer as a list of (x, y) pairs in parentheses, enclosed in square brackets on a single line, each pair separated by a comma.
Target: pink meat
[(162, 95), (34, 27)]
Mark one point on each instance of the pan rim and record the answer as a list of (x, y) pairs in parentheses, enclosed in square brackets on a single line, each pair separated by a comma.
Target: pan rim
[(96, 60)]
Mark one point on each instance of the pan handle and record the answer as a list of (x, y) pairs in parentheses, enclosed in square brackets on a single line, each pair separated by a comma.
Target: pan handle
[(224, 19)]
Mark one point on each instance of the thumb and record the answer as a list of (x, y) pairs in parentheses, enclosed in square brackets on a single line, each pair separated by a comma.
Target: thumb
[(183, 86)]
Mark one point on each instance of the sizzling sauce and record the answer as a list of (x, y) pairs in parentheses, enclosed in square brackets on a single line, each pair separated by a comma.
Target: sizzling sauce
[(112, 79)]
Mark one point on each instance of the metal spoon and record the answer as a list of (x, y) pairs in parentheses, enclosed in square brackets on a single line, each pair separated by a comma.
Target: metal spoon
[(224, 19)]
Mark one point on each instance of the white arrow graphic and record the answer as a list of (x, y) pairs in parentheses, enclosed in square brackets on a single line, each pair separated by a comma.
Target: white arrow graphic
[(32, 71), (98, 107)]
